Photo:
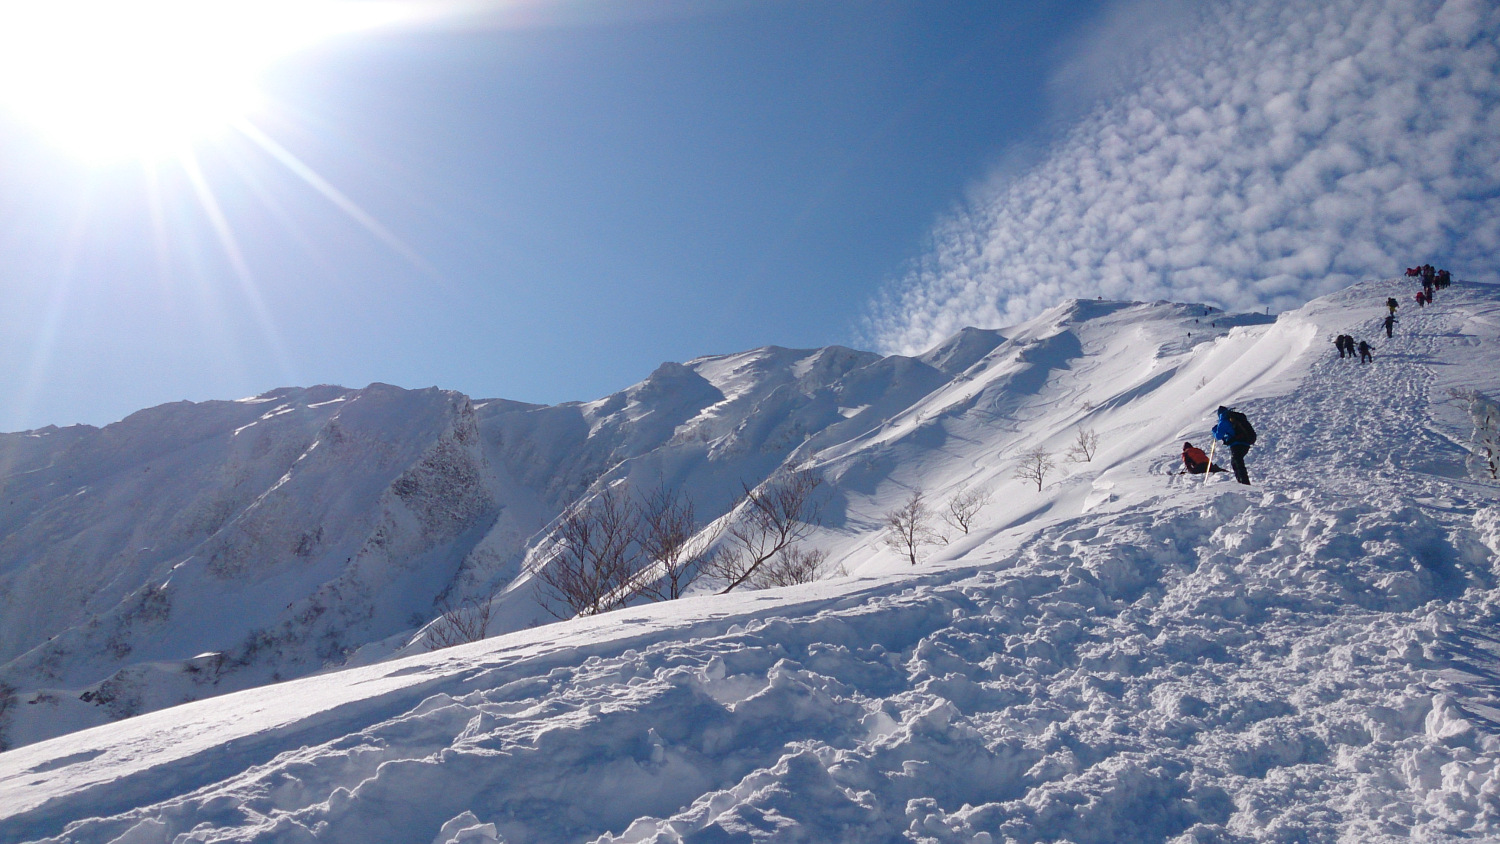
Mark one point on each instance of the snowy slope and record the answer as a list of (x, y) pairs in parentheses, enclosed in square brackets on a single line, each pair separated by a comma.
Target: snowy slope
[(196, 549), (270, 534), (307, 529), (1125, 656)]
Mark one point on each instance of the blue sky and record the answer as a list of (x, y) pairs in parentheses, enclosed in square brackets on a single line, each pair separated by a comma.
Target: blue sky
[(543, 200), (565, 196), (1258, 154)]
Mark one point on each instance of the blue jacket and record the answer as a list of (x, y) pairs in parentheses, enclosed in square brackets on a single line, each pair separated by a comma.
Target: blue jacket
[(1224, 432)]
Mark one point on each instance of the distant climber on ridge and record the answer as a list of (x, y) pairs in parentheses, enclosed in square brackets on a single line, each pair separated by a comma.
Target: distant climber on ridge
[(1364, 352), (1195, 462), (1392, 304), (1235, 431), (1389, 322)]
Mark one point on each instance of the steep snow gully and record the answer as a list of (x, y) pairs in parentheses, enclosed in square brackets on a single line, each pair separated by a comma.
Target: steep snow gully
[(1130, 655)]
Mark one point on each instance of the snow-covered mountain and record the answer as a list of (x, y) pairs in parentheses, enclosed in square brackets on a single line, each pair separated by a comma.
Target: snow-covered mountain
[(1123, 655), (195, 549)]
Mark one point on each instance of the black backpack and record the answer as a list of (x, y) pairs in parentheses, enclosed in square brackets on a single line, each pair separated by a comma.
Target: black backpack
[(1243, 430)]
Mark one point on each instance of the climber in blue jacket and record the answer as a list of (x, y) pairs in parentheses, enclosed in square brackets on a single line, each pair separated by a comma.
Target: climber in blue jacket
[(1235, 431)]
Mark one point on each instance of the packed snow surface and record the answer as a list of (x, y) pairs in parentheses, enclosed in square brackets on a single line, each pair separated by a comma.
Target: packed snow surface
[(1127, 655)]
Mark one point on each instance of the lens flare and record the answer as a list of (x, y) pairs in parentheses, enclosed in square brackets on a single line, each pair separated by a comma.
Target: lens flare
[(113, 79)]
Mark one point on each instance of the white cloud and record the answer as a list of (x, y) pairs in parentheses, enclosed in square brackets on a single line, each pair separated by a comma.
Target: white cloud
[(1269, 153)]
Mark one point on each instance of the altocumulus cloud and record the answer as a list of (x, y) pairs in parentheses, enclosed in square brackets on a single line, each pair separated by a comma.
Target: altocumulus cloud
[(1268, 153)]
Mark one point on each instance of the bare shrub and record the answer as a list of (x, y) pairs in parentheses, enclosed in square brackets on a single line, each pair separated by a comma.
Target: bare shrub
[(1084, 447), (458, 625), (909, 526), (792, 566), (767, 520), (964, 505), (670, 537), (594, 565), (1036, 464)]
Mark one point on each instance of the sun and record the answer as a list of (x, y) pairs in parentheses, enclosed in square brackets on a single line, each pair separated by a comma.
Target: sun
[(146, 79)]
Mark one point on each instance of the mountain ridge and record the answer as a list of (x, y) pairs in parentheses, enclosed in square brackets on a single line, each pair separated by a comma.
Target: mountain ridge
[(1126, 654), (452, 507)]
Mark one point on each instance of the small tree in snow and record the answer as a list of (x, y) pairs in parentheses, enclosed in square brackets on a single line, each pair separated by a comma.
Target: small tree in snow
[(795, 564), (909, 526), (595, 565), (767, 520), (458, 625), (1084, 447), (669, 537), (1036, 464), (964, 505)]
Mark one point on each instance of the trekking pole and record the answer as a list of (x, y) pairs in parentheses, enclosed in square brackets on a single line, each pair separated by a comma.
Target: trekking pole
[(1209, 469)]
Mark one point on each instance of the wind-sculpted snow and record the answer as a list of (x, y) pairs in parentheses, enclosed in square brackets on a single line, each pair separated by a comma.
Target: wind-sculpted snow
[(1127, 656), (1189, 668)]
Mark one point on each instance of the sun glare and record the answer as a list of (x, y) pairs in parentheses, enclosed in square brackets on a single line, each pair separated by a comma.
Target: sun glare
[(115, 79)]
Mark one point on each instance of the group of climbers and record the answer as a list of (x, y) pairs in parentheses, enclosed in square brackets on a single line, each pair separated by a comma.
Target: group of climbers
[(1432, 279), (1346, 346), (1233, 429)]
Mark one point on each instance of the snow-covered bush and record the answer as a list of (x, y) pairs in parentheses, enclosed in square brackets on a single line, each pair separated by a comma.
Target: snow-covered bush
[(1484, 456)]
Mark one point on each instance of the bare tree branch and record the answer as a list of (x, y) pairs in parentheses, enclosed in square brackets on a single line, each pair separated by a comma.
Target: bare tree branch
[(671, 537), (1084, 447), (767, 520), (965, 504), (793, 565), (595, 565), (1035, 465), (909, 526), (458, 625)]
